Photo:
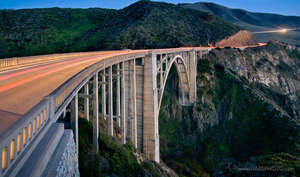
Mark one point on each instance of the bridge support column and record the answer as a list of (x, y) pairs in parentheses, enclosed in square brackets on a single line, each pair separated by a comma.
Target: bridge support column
[(110, 104), (95, 112), (65, 113), (86, 102), (118, 97), (151, 134), (74, 120), (193, 76), (130, 101), (123, 108), (133, 103), (103, 95)]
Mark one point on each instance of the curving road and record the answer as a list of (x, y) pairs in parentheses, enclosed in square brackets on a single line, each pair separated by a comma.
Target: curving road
[(22, 87)]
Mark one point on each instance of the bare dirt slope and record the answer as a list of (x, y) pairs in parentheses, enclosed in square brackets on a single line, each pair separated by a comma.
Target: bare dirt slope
[(242, 38)]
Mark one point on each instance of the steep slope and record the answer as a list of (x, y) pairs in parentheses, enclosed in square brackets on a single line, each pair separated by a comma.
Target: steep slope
[(254, 21), (144, 24), (246, 115), (242, 38), (113, 159)]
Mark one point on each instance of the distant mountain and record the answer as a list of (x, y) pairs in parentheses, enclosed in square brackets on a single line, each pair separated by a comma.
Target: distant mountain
[(254, 21), (144, 24)]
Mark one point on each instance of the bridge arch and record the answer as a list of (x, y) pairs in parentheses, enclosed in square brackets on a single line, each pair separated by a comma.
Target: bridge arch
[(184, 80)]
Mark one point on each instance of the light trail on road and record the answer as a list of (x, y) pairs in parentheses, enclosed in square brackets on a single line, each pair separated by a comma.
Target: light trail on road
[(282, 30)]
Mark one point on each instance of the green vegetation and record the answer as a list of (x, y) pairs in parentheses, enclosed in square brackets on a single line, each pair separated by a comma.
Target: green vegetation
[(144, 24), (112, 159), (249, 132)]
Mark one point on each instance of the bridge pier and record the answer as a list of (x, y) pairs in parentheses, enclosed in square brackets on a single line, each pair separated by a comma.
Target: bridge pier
[(193, 76), (103, 84), (151, 134), (110, 104), (95, 112), (123, 109), (86, 101), (65, 113), (74, 120), (133, 103), (118, 97)]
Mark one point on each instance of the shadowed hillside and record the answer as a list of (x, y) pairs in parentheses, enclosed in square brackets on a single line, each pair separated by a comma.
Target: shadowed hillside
[(144, 24), (244, 117)]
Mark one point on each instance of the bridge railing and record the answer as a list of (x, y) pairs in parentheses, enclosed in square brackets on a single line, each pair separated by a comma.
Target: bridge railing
[(63, 94), (11, 62), (18, 138)]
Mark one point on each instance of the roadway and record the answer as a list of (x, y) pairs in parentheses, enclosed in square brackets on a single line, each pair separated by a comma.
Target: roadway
[(22, 87)]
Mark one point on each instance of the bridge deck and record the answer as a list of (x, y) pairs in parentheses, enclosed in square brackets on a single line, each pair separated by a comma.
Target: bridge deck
[(23, 87)]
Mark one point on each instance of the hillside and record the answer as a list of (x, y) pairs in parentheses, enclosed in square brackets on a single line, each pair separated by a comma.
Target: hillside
[(144, 24), (246, 115), (254, 21), (242, 38)]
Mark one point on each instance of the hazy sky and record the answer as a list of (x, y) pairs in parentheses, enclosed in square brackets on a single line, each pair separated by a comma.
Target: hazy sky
[(285, 7)]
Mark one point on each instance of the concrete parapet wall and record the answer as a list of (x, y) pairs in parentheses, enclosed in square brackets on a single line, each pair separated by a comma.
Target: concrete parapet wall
[(38, 160), (64, 161)]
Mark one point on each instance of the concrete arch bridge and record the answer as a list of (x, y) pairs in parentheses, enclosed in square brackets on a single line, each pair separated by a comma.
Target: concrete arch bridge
[(123, 87)]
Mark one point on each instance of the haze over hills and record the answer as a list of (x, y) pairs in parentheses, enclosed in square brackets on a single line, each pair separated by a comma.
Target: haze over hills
[(144, 24), (254, 21)]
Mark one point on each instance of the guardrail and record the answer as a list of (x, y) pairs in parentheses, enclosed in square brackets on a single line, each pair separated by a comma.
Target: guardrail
[(17, 139), (66, 89)]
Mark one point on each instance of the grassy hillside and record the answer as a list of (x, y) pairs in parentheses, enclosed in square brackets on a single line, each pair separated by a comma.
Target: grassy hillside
[(254, 21), (144, 24)]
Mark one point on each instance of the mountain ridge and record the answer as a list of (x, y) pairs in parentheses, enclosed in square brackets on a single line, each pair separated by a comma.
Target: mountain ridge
[(144, 24), (254, 21)]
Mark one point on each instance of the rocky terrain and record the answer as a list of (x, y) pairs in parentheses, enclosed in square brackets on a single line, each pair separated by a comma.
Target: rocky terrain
[(242, 38), (246, 116)]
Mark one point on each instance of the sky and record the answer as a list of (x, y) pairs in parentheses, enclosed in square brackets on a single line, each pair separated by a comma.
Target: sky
[(284, 7)]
